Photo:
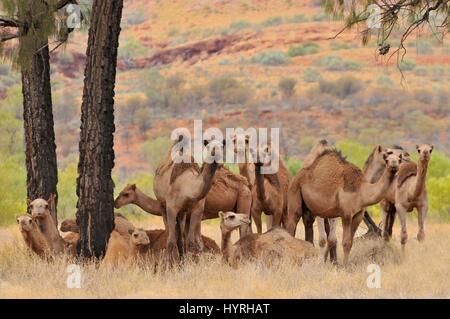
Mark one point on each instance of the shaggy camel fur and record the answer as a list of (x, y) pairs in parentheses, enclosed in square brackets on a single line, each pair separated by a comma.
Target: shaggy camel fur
[(332, 187), (409, 192), (122, 225), (32, 235), (118, 250), (40, 211), (181, 188), (270, 191), (70, 240), (269, 248)]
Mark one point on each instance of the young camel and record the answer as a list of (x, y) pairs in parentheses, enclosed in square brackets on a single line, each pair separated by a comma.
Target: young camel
[(270, 191), (269, 248), (332, 187), (40, 211), (32, 235), (181, 188), (409, 192)]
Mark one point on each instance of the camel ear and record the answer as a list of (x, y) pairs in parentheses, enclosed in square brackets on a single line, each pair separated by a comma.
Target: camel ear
[(28, 202), (221, 214), (379, 148), (432, 148), (224, 142), (130, 231), (205, 142), (17, 219), (133, 187), (417, 146), (385, 156)]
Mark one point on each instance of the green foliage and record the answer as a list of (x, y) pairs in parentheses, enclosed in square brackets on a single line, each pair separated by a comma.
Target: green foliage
[(342, 87), (272, 21), (13, 198), (270, 58), (131, 47), (294, 165), (311, 75), (155, 150), (287, 87), (303, 49), (67, 197), (136, 18), (336, 63), (439, 196), (239, 25), (407, 65), (355, 152), (298, 18), (228, 90)]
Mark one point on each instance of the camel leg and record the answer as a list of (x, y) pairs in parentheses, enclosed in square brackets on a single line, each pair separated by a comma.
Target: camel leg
[(384, 223), (172, 251), (276, 218), (180, 227), (330, 228), (372, 227), (194, 240), (244, 205), (356, 220), (256, 215), (422, 213), (391, 221), (322, 237), (404, 233), (269, 222), (347, 238), (308, 223)]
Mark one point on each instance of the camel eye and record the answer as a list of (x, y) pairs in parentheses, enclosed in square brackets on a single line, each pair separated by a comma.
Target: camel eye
[(30, 221), (390, 152), (135, 235), (125, 195), (46, 206), (231, 217)]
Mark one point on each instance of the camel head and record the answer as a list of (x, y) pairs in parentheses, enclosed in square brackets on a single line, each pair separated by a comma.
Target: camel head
[(399, 151), (214, 151), (39, 208), (393, 161), (230, 221), (425, 151), (69, 225), (25, 222), (139, 237), (126, 196), (263, 155)]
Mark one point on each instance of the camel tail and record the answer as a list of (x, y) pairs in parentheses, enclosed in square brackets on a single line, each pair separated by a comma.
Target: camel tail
[(294, 212)]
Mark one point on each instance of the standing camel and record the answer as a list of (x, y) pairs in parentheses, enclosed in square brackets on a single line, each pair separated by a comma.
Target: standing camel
[(181, 188), (409, 192), (332, 187)]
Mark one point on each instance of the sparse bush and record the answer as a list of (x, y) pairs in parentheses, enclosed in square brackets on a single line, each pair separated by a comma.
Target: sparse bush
[(154, 150), (320, 17), (65, 57), (270, 58), (298, 18), (407, 65), (294, 165), (229, 90), (224, 62), (424, 96), (338, 45), (136, 18), (385, 81), (175, 82), (421, 71), (303, 49), (239, 25), (342, 87), (287, 87), (272, 21), (311, 76), (335, 63)]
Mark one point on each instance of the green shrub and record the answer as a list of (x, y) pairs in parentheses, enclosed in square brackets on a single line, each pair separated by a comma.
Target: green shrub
[(294, 165), (136, 18), (335, 63), (270, 58), (239, 25), (311, 76), (12, 201), (228, 90), (155, 150), (298, 18), (407, 65), (385, 81), (342, 87), (272, 21), (303, 49), (287, 87)]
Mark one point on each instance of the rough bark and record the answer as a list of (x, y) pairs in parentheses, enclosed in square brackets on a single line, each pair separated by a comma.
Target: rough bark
[(95, 187), (40, 147)]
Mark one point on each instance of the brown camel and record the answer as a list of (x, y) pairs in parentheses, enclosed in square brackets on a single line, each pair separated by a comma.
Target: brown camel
[(332, 187), (182, 188), (71, 240), (270, 191), (40, 211), (132, 195), (32, 235), (122, 225), (271, 247), (409, 192), (118, 250), (246, 169)]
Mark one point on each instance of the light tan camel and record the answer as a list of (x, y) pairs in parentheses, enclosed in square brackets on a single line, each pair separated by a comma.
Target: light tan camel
[(271, 247), (270, 191), (122, 225), (409, 192), (332, 187), (132, 195), (40, 211), (182, 188), (32, 235), (118, 250)]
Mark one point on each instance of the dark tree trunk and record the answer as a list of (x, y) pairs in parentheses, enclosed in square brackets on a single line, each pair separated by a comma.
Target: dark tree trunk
[(95, 187), (40, 147)]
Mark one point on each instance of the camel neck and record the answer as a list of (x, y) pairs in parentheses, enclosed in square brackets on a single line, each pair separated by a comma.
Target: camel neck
[(373, 173), (147, 203), (226, 246), (422, 169), (207, 176), (373, 193)]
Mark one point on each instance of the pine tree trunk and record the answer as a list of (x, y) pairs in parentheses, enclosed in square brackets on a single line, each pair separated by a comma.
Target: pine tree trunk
[(95, 187), (40, 147)]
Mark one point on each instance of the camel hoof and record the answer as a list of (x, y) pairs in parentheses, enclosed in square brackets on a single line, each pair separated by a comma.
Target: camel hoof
[(421, 236)]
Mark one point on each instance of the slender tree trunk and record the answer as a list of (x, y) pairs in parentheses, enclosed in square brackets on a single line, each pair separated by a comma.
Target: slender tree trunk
[(40, 147), (95, 187)]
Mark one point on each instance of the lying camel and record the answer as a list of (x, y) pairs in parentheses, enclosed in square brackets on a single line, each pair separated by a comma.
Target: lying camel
[(32, 235), (40, 211), (409, 192), (270, 191), (70, 243), (122, 225), (118, 250), (332, 187), (182, 188), (269, 248)]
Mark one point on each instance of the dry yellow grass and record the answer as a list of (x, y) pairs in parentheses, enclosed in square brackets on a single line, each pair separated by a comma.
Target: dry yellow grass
[(421, 273)]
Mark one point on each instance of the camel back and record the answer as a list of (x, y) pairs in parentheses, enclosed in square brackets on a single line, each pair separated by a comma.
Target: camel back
[(180, 168), (280, 179), (407, 170), (224, 177)]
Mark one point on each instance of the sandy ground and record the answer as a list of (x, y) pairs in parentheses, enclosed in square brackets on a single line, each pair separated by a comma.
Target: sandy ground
[(420, 272)]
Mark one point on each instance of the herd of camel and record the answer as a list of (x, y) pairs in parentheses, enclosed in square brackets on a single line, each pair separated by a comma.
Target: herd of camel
[(326, 188)]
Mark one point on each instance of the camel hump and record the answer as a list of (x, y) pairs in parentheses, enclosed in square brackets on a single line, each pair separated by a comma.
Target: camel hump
[(180, 168), (352, 178), (407, 170), (229, 178)]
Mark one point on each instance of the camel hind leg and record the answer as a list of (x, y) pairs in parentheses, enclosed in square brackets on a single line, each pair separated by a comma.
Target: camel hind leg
[(194, 239), (330, 228), (422, 213), (243, 206), (308, 223), (256, 213), (172, 248)]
